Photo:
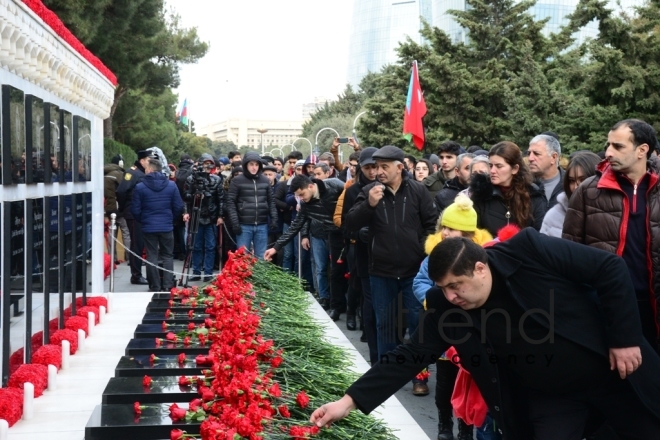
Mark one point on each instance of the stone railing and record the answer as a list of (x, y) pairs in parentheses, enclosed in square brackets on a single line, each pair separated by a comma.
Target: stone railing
[(30, 49)]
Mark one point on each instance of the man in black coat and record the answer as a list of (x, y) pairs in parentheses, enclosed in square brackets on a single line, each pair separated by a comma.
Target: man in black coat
[(460, 182), (540, 323)]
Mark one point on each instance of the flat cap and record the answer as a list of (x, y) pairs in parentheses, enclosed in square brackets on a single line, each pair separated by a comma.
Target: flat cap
[(389, 152)]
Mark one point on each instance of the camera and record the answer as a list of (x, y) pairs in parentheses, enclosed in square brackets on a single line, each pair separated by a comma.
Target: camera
[(200, 175)]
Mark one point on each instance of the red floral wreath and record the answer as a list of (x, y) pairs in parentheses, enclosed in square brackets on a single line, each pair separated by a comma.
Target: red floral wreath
[(52, 20)]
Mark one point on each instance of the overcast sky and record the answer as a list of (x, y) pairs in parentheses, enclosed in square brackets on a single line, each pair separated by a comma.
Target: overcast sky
[(267, 57)]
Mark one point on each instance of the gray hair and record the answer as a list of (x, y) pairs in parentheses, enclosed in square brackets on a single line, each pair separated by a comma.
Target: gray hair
[(459, 159), (324, 166), (155, 166), (478, 159), (551, 143)]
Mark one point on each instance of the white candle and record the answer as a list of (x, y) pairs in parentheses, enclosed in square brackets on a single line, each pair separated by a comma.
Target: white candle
[(66, 353), (90, 322), (28, 401), (52, 377), (101, 314), (81, 339), (109, 297), (4, 430)]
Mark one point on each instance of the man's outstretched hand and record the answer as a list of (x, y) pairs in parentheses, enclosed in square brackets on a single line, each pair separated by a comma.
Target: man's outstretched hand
[(626, 360), (269, 254), (333, 411)]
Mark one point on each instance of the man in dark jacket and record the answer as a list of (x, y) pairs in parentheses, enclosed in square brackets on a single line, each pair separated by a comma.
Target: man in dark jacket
[(203, 191), (133, 176), (366, 173), (182, 173), (400, 214), (318, 203), (458, 183), (156, 202), (544, 153), (250, 202), (539, 323), (618, 210)]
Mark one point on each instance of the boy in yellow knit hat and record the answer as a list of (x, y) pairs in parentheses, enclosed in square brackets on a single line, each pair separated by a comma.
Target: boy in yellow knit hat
[(458, 220)]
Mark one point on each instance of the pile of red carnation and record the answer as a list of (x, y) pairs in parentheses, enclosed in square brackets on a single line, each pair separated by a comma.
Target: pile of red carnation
[(243, 399)]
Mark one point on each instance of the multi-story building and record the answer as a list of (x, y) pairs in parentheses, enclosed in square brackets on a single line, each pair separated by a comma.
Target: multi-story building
[(309, 108), (246, 132), (378, 27)]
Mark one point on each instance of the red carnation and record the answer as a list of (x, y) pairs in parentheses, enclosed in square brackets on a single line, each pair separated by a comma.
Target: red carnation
[(137, 408), (191, 326), (83, 311), (94, 301), (165, 325), (177, 413), (65, 335), (36, 374), (48, 355), (186, 340), (276, 361), (284, 411), (158, 342), (184, 381), (275, 390), (146, 381), (170, 336), (302, 399), (176, 434), (77, 322), (191, 313), (182, 358), (11, 405), (195, 404)]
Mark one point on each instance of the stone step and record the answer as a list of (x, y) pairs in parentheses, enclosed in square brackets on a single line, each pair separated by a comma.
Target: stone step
[(163, 305), (148, 347), (112, 422), (168, 365), (163, 389), (156, 330), (180, 318)]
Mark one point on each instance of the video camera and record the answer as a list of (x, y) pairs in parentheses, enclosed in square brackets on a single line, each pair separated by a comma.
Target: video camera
[(200, 174)]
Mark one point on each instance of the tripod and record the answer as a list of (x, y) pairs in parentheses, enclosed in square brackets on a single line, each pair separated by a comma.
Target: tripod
[(193, 227)]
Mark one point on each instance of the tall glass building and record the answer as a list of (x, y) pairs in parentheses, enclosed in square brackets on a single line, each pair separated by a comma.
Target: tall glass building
[(378, 27), (556, 10)]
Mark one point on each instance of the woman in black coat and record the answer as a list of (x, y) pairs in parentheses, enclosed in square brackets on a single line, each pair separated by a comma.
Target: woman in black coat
[(508, 194)]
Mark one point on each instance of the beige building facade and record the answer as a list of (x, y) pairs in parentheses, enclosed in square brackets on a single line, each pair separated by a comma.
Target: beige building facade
[(246, 132)]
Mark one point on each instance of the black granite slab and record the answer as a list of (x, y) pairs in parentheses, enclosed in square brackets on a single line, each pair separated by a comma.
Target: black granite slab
[(159, 317), (163, 389), (148, 346), (156, 330), (168, 365), (112, 422), (163, 305)]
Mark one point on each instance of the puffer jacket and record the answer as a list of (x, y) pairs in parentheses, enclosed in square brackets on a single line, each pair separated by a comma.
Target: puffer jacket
[(210, 186), (156, 201), (598, 216), (553, 223), (320, 210), (492, 208), (250, 200), (398, 227)]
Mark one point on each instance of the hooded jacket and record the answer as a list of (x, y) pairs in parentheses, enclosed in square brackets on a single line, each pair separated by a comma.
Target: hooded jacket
[(156, 201), (211, 205), (250, 200), (492, 208), (448, 193), (398, 227)]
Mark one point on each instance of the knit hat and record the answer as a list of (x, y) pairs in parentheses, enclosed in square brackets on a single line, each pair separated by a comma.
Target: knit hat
[(116, 159), (460, 215), (300, 163)]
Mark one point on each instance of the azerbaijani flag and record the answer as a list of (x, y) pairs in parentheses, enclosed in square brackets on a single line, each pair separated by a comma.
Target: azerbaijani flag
[(183, 114), (413, 129)]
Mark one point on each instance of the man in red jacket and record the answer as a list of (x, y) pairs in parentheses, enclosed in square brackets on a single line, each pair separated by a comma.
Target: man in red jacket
[(618, 210)]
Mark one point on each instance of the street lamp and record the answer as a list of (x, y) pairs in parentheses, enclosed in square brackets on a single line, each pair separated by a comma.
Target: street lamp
[(316, 141), (311, 147), (354, 122), (262, 131)]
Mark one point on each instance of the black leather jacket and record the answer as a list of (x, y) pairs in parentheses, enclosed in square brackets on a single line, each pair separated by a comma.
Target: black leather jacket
[(320, 210)]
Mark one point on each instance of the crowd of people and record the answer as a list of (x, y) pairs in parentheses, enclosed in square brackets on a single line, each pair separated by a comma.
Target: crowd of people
[(388, 240)]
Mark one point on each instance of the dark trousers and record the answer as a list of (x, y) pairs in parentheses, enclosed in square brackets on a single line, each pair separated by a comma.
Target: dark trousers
[(564, 416), (137, 245), (160, 246), (353, 294), (369, 320), (338, 284), (649, 328), (444, 386)]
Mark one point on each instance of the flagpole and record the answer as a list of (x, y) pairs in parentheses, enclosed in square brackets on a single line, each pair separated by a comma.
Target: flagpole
[(189, 119)]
